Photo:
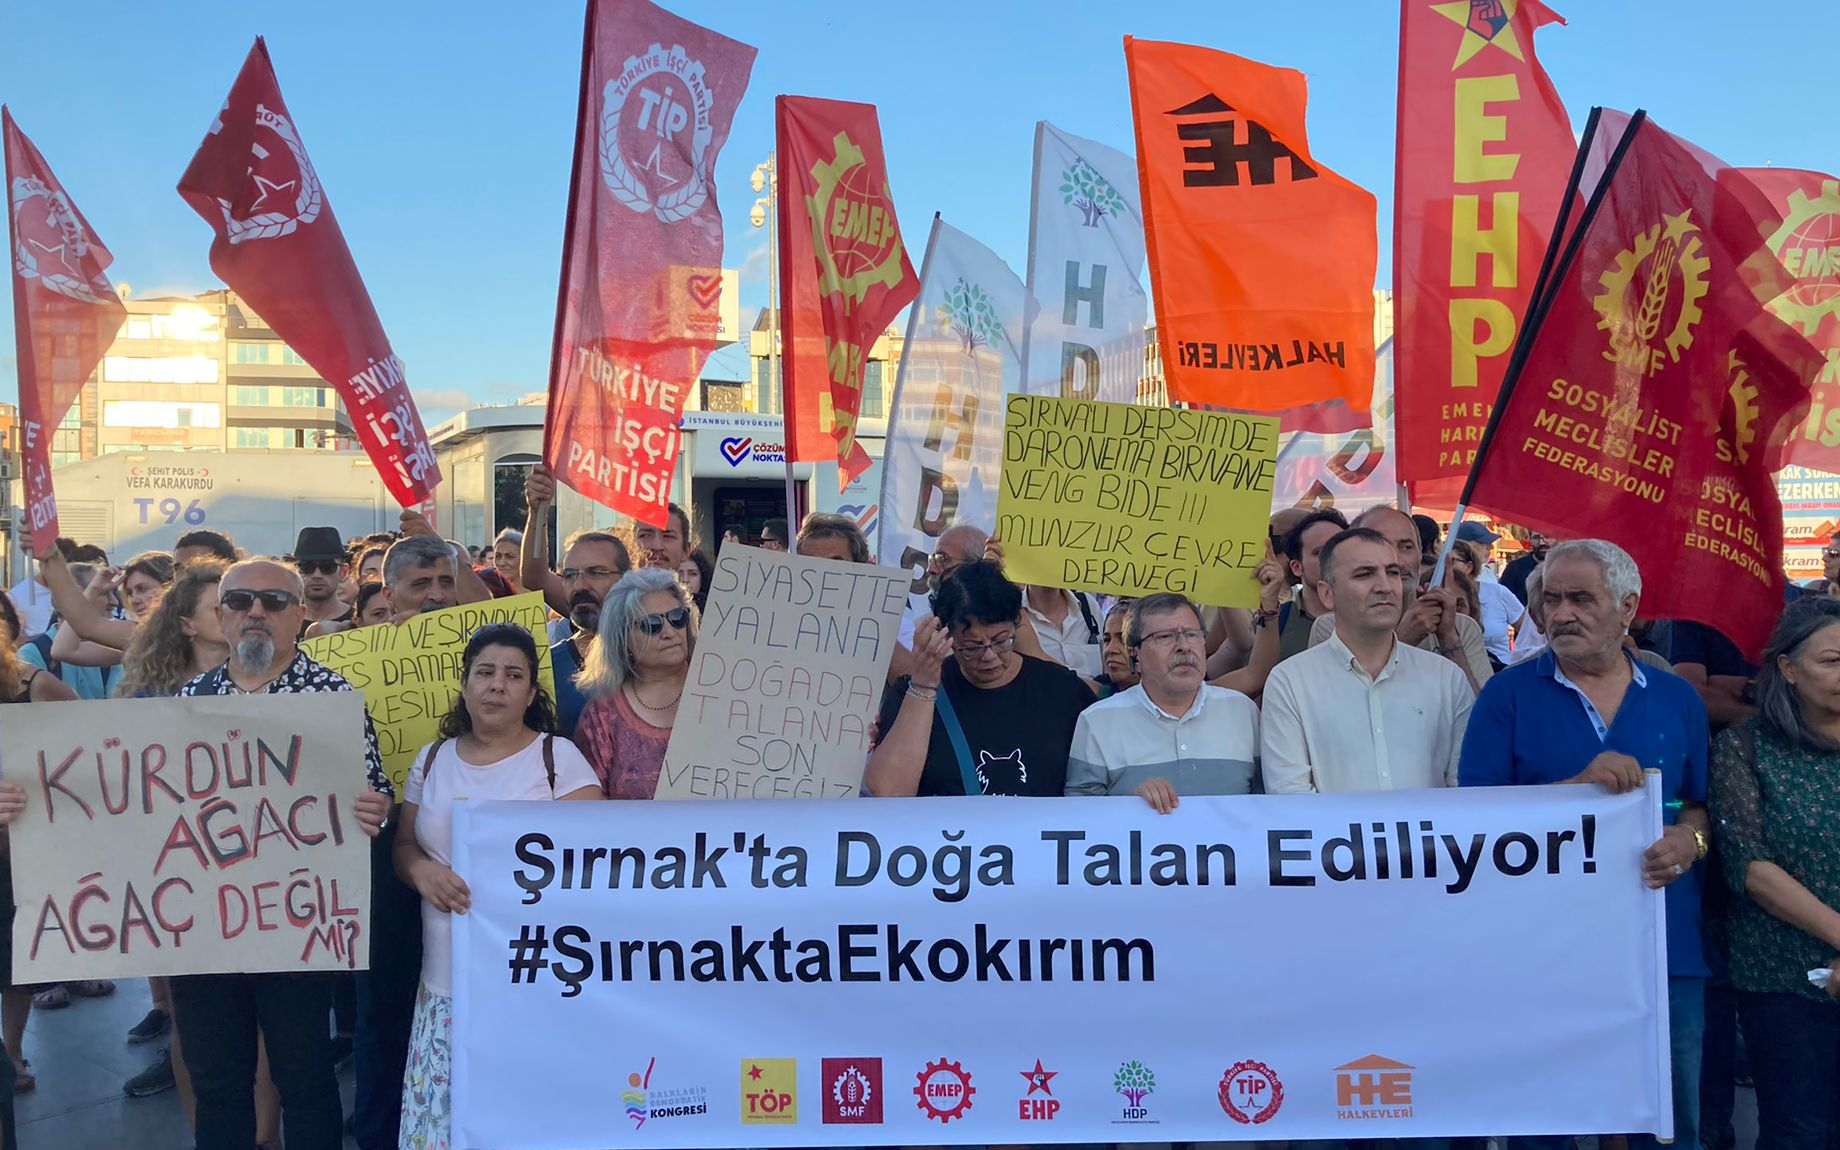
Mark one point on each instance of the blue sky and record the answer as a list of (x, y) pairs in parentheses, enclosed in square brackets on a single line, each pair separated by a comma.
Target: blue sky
[(443, 131)]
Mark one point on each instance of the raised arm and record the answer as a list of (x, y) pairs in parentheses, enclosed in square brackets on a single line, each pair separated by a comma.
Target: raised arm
[(897, 761), (534, 572), (80, 615)]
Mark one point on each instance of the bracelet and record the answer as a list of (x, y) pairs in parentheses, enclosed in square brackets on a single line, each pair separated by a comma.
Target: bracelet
[(926, 693)]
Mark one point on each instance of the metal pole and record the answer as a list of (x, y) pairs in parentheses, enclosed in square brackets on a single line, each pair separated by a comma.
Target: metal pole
[(785, 439)]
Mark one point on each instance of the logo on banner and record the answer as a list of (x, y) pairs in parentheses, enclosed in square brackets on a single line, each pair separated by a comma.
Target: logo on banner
[(1484, 22), (1738, 419), (287, 192), (1373, 1087), (865, 515), (1214, 153), (944, 1090), (971, 315), (642, 1102), (658, 110), (1084, 188), (1808, 244), (770, 1091), (1135, 1082), (738, 449), (853, 226), (852, 1091), (1638, 287), (1250, 1093), (1032, 1109), (52, 243)]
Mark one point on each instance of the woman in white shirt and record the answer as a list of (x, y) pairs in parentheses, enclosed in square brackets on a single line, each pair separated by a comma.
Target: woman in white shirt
[(497, 742)]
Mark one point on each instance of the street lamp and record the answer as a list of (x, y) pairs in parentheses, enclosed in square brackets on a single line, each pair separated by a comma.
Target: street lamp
[(765, 213)]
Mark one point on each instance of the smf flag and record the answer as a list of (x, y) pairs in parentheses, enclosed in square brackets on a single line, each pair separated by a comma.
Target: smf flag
[(945, 427), (1086, 263), (280, 248), (844, 273), (65, 313), (1261, 258), (638, 309)]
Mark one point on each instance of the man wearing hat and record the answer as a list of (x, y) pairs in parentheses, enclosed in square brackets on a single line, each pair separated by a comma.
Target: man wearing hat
[(319, 555), (1481, 543), (1503, 614)]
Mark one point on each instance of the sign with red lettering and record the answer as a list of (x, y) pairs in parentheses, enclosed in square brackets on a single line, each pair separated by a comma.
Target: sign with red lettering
[(203, 835)]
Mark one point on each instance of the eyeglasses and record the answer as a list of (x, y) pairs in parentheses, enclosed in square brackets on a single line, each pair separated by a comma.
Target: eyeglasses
[(677, 617), (972, 652), (1831, 553), (1185, 634), (946, 564), (570, 574), (318, 566), (240, 601)]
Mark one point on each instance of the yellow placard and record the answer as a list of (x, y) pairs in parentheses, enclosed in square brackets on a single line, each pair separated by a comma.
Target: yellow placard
[(1130, 500), (409, 674)]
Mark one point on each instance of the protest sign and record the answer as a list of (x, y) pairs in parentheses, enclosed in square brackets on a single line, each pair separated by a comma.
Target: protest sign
[(1025, 971), (410, 674), (786, 678), (202, 835), (1131, 500)]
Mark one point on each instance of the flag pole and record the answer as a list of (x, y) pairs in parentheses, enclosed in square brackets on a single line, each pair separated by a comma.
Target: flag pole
[(882, 519), (1023, 384), (583, 100)]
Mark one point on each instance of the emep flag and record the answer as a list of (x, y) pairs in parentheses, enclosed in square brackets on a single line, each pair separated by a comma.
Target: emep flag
[(638, 309), (65, 313), (279, 246), (1808, 244)]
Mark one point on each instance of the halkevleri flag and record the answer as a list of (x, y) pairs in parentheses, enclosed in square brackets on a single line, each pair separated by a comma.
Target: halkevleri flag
[(1650, 401), (1262, 259), (1086, 263), (1808, 244), (945, 427), (1484, 148), (844, 273), (638, 306), (280, 248), (65, 313)]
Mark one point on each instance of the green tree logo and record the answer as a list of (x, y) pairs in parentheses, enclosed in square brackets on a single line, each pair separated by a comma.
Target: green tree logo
[(1084, 188), (1135, 1081), (970, 314)]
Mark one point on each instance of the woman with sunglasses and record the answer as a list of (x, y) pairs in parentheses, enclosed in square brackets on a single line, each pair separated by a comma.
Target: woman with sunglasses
[(634, 675)]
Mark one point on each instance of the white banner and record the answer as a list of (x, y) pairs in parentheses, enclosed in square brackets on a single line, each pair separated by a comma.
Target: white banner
[(945, 428), (1086, 266), (1002, 971)]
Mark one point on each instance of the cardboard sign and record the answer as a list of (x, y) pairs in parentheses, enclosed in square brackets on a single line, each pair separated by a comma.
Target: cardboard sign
[(786, 678), (410, 674), (1129, 500), (203, 835)]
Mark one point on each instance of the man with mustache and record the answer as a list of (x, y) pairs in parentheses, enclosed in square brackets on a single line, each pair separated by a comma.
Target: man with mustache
[(592, 562), (1364, 710), (1173, 733)]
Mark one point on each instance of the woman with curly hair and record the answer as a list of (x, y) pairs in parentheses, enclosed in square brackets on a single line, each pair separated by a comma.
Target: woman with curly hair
[(181, 639)]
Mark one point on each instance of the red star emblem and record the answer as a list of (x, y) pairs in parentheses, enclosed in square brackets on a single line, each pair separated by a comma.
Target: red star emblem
[(755, 1072), (1038, 1078)]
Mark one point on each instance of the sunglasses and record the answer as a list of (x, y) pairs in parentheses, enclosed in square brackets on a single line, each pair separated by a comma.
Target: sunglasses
[(240, 601), (677, 617), (318, 566)]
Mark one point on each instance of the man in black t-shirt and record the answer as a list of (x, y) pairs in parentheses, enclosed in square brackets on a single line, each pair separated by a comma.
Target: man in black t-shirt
[(1014, 714)]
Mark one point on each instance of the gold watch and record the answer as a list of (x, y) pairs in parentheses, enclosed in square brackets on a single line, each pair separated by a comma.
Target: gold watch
[(1704, 843)]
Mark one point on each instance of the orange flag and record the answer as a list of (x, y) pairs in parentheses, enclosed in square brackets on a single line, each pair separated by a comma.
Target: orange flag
[(1262, 260)]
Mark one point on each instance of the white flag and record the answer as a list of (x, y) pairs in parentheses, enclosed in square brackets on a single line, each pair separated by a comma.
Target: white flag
[(1086, 264), (1349, 470), (945, 427)]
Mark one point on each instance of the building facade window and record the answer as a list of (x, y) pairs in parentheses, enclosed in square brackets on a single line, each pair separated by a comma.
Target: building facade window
[(159, 369), (157, 413), (874, 402)]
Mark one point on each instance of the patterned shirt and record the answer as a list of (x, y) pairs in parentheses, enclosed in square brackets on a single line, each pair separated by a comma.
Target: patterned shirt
[(303, 676), (626, 752), (1779, 802)]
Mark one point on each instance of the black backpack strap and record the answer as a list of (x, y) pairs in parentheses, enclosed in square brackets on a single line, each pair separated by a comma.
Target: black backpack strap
[(549, 761), (1086, 613), (42, 642)]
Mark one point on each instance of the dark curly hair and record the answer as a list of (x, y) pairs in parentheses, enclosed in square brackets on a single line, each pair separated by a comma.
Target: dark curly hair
[(539, 716)]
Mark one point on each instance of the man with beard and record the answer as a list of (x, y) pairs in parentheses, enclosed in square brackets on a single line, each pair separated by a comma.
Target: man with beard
[(319, 556), (1173, 733), (259, 607), (596, 570), (1514, 575), (1364, 710), (666, 546)]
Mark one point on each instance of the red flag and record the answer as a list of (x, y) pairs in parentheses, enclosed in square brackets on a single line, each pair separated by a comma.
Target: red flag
[(1656, 391), (638, 308), (280, 248), (1808, 244), (65, 313), (1484, 146), (844, 273)]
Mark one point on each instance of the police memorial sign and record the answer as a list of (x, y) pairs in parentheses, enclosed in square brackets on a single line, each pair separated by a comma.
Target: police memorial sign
[(1000, 971)]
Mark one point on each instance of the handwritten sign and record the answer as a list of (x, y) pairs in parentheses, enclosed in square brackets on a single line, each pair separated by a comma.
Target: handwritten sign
[(410, 674), (1130, 500), (786, 678), (203, 835)]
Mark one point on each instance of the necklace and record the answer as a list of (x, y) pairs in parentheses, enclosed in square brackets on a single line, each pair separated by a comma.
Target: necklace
[(632, 689)]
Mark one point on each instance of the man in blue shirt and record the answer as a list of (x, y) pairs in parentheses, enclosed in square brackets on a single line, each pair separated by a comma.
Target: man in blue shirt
[(1586, 712)]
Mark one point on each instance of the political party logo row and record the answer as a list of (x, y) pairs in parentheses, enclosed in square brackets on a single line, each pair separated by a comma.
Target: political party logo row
[(856, 1092)]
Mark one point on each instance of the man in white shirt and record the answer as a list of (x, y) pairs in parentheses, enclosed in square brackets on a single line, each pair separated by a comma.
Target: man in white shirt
[(1067, 624), (1173, 733), (1363, 711)]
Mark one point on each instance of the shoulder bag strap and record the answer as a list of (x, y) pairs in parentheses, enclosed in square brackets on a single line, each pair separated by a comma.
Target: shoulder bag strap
[(1086, 613), (955, 733), (434, 749), (549, 762)]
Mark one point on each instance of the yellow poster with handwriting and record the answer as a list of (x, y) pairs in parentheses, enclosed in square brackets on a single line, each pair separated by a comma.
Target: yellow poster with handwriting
[(409, 673), (1129, 500)]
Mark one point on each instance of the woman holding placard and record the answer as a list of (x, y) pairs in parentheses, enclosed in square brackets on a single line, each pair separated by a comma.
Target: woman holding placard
[(634, 674), (497, 742)]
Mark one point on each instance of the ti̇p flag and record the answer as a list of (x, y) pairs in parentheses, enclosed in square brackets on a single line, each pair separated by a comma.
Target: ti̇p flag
[(638, 308), (1261, 258), (65, 313), (1484, 147), (1651, 399), (844, 273), (279, 246)]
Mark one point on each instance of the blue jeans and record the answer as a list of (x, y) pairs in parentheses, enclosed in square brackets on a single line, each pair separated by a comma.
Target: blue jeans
[(1687, 1049), (1794, 1042)]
